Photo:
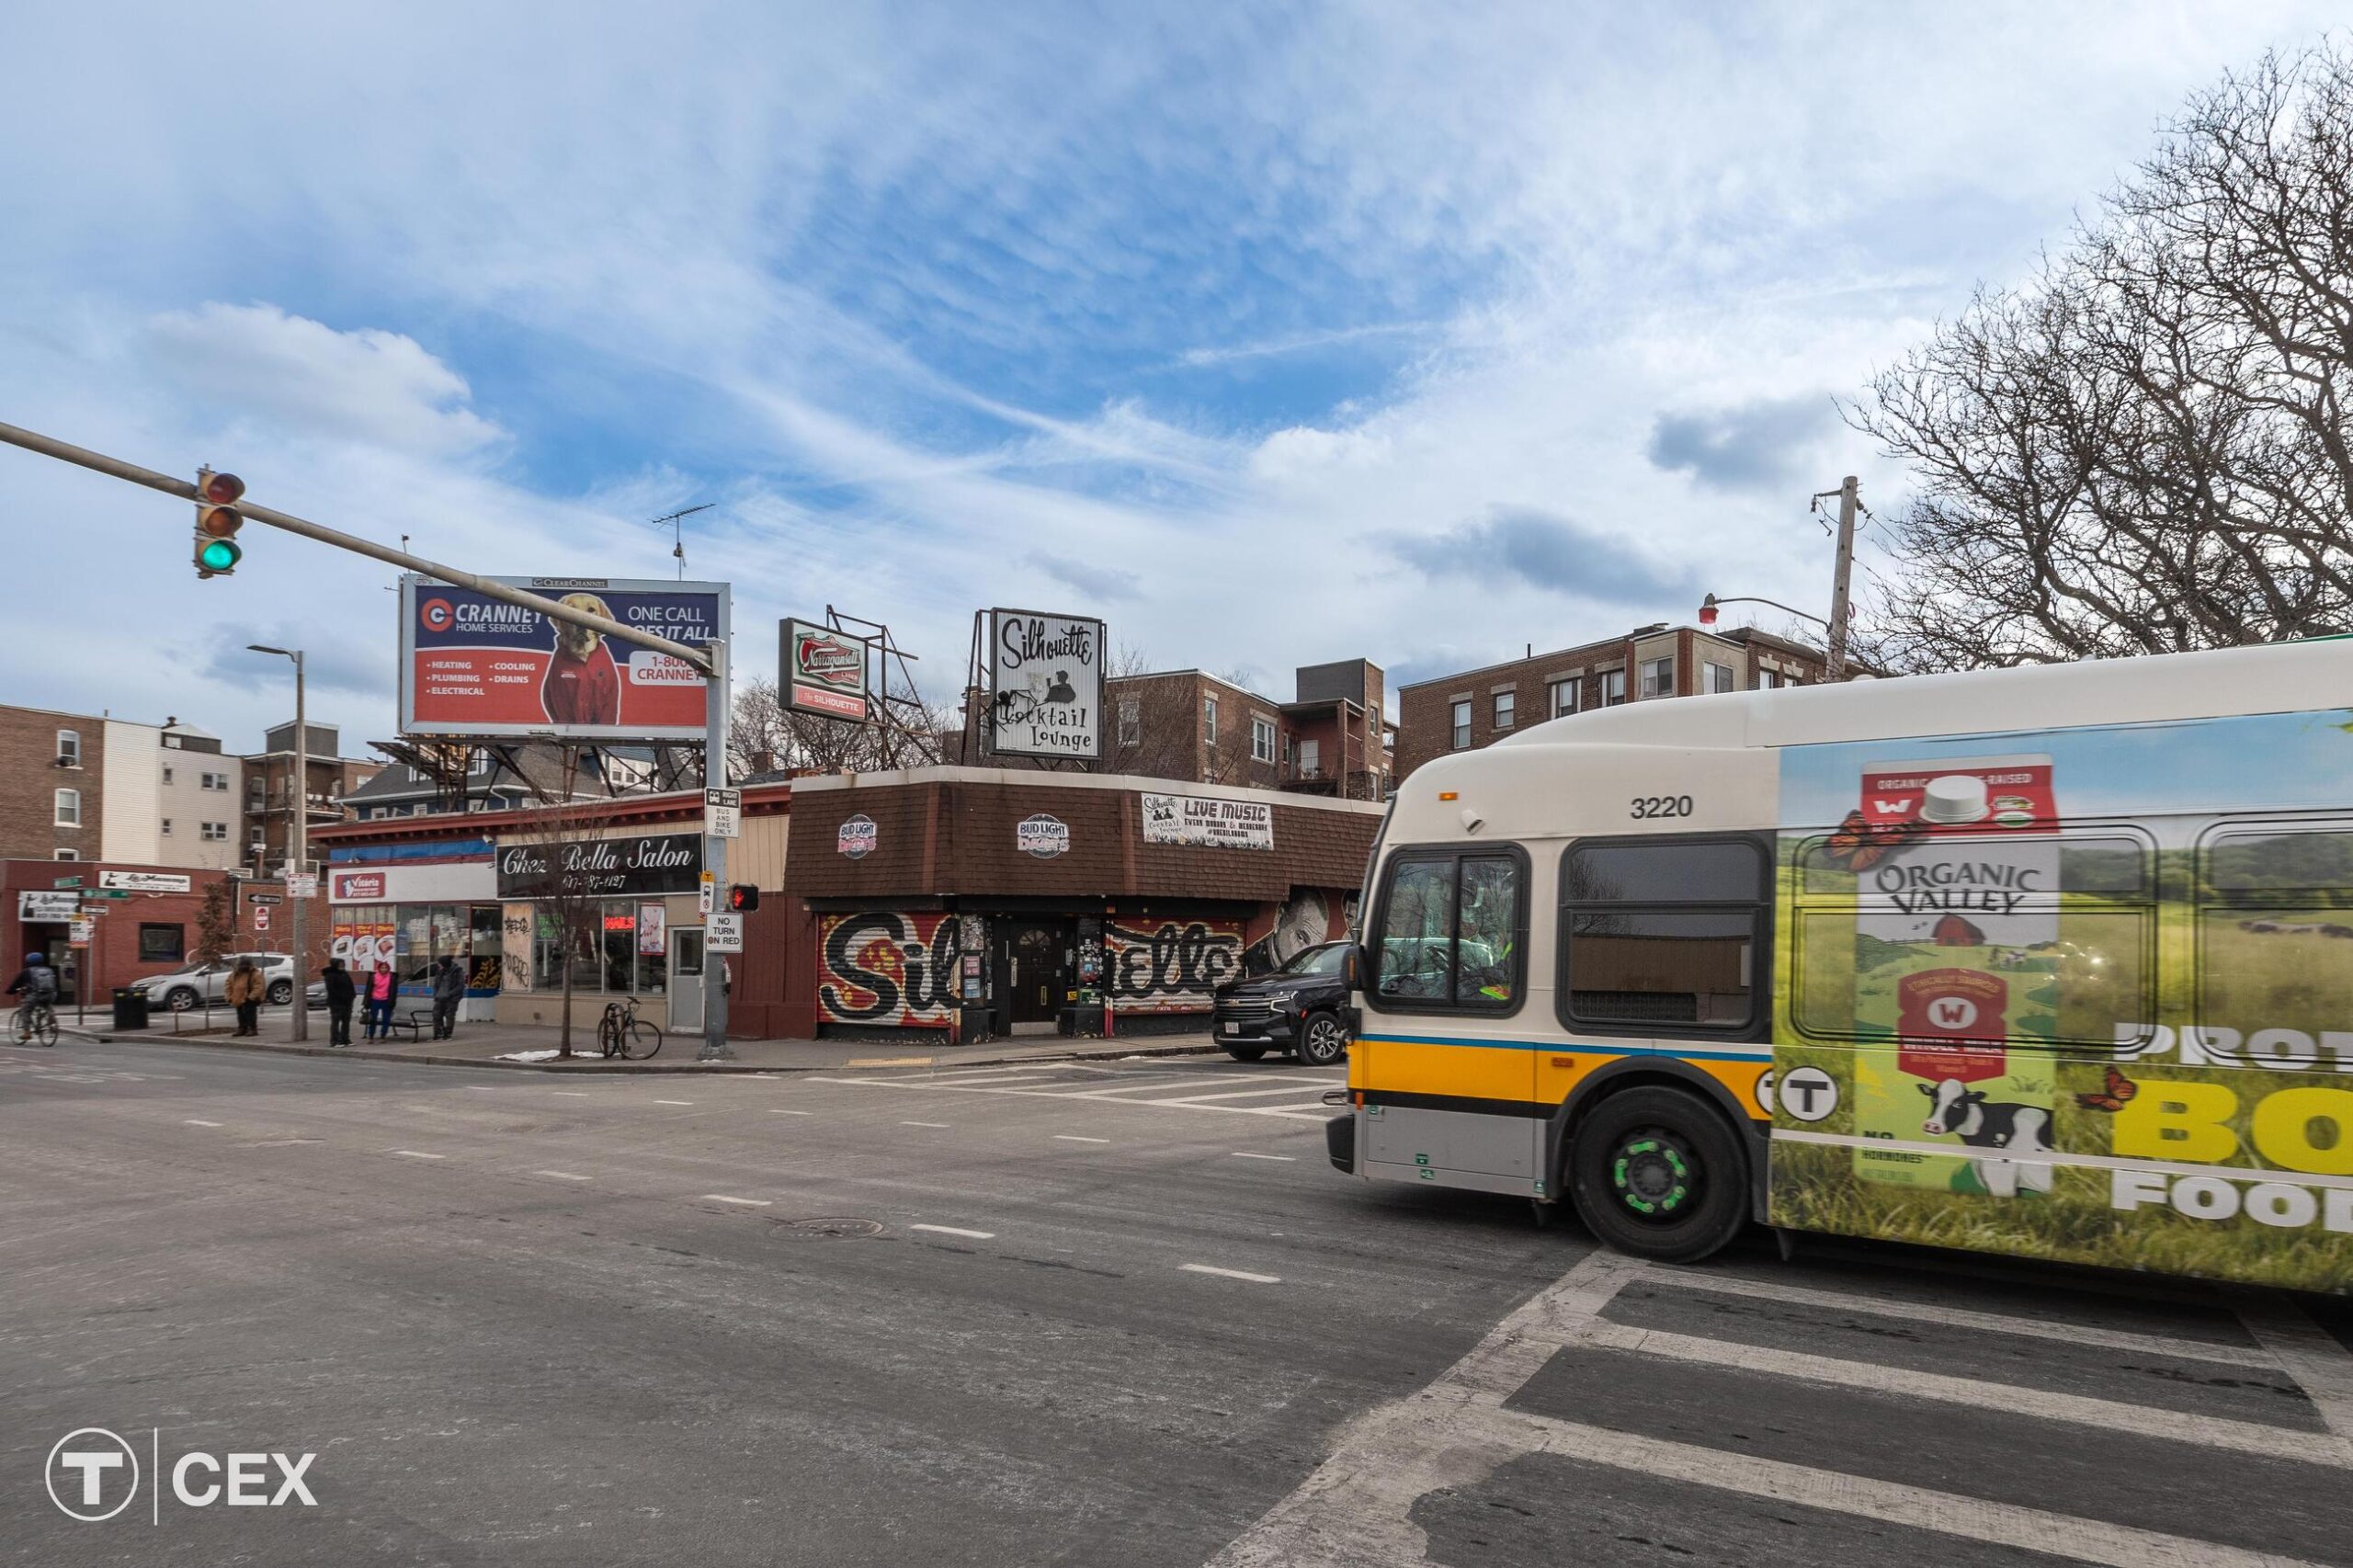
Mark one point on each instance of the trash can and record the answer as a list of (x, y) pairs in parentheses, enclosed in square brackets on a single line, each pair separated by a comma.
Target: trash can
[(129, 1007)]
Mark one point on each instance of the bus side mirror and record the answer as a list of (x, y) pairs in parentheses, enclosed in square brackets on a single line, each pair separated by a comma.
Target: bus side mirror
[(1352, 967)]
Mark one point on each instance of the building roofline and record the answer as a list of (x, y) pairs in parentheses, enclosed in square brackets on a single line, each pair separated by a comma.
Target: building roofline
[(1629, 636), (1036, 778), (673, 805)]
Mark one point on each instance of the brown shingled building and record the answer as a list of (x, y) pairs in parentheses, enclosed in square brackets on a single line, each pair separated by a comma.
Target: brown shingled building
[(996, 902)]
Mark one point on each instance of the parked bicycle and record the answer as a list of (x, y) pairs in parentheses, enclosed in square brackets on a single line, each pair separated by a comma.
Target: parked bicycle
[(36, 1020), (620, 1032)]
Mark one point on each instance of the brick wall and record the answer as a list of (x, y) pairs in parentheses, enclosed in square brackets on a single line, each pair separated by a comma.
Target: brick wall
[(1424, 712), (28, 797)]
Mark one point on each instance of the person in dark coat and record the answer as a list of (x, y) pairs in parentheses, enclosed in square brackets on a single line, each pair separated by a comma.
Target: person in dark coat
[(448, 990), (341, 993)]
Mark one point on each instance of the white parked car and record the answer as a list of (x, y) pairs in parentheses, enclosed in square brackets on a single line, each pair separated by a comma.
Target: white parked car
[(202, 983)]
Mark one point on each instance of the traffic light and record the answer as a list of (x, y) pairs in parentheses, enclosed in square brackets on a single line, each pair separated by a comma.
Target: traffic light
[(217, 522), (742, 897)]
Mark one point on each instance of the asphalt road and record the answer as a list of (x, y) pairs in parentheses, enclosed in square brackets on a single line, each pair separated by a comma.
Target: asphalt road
[(1122, 1313)]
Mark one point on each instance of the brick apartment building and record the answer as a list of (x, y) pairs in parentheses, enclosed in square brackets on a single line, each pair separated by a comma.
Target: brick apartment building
[(269, 792), (89, 786), (1476, 708), (1330, 739)]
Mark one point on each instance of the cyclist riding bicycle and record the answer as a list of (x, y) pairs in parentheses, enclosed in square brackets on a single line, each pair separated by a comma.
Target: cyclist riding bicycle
[(37, 984)]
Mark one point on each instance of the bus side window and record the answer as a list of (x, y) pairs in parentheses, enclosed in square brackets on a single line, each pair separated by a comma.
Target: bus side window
[(1661, 934), (1452, 926), (2275, 945)]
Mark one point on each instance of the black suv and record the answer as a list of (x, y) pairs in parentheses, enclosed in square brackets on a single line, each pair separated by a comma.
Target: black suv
[(1301, 1007)]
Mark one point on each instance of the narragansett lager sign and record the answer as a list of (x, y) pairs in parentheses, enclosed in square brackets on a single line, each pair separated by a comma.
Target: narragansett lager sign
[(615, 867)]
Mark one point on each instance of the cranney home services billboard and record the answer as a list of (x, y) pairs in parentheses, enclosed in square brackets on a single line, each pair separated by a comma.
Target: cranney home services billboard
[(474, 666)]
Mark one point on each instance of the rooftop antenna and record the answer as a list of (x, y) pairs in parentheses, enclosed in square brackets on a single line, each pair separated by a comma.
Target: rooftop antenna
[(679, 533)]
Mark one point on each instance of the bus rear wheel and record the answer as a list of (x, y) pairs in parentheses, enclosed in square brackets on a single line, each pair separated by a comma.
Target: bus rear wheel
[(1656, 1172)]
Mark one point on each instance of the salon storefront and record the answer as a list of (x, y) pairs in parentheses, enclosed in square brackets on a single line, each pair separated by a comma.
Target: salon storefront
[(615, 910), (977, 902)]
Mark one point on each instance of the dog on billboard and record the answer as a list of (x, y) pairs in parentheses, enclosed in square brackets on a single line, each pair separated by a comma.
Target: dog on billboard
[(582, 687)]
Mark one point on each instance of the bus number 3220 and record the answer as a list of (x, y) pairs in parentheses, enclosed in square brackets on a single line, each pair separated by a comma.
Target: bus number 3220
[(1661, 806)]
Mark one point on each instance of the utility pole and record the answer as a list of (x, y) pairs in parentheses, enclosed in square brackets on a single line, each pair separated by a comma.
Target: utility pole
[(714, 853), (710, 660), (1849, 501), (297, 844)]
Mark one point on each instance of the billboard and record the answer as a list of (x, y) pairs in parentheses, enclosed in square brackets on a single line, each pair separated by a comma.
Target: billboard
[(1046, 684), (474, 666), (821, 671)]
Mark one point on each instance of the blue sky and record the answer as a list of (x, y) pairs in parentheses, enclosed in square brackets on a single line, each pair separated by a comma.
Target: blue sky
[(1272, 335)]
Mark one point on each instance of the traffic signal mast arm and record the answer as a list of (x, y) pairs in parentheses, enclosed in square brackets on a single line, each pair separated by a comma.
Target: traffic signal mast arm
[(172, 485)]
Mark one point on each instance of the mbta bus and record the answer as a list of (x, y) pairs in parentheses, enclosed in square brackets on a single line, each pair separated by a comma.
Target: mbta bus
[(2053, 961)]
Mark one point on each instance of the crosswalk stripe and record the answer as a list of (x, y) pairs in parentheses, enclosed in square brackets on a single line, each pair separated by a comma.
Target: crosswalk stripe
[(2212, 1431), (1947, 1513), (1963, 1317)]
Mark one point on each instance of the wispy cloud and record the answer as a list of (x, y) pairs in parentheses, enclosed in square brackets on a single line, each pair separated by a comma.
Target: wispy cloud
[(1106, 583), (1755, 446), (1557, 554), (1301, 343)]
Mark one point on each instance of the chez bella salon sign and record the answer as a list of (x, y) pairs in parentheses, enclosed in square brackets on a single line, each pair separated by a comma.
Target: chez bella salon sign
[(656, 863)]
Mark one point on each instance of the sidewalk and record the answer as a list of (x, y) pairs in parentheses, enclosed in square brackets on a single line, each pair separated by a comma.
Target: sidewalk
[(485, 1045)]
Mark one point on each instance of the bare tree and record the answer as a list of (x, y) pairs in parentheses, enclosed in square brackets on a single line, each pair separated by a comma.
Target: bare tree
[(764, 735), (2145, 449), (562, 820)]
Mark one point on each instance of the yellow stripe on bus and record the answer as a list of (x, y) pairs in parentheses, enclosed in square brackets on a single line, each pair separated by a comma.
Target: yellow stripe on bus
[(1513, 1072)]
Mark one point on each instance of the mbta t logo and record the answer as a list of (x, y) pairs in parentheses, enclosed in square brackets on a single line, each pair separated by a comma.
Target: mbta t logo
[(94, 1474)]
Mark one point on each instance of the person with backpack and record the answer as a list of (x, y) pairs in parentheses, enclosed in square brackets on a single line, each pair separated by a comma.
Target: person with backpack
[(340, 995), (37, 984), (244, 991), (381, 989)]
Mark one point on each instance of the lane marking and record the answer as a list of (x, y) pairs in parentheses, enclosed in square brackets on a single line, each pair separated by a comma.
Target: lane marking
[(1947, 1513), (1321, 1113), (415, 1154), (887, 1061), (1287, 1159), (923, 1124), (1071, 1138), (486, 1088), (2141, 1420), (780, 1110), (577, 1094), (1291, 1089), (747, 1202), (1230, 1274), (2310, 1353), (1964, 1317), (562, 1176), (193, 1122), (955, 1230), (674, 1102)]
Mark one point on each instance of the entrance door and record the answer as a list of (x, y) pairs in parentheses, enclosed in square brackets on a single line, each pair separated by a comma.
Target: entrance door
[(1033, 971), (686, 980)]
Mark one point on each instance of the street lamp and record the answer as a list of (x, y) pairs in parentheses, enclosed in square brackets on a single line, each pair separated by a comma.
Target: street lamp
[(298, 843), (1708, 608)]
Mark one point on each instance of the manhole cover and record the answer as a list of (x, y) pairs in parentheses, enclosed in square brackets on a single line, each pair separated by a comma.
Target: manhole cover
[(818, 1228)]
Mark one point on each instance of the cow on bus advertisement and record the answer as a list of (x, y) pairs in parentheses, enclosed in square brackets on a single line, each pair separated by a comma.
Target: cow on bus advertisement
[(472, 665), (2048, 997)]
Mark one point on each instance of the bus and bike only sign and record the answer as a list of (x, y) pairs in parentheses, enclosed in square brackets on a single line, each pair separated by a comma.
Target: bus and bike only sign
[(2053, 1000)]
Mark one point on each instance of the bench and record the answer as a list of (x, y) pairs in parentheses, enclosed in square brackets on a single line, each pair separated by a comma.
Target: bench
[(414, 1022)]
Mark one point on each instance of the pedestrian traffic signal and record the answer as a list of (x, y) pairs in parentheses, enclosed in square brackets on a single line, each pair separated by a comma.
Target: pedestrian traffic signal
[(742, 897), (217, 522)]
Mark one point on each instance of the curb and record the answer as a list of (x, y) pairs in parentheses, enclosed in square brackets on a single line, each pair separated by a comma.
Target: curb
[(596, 1065)]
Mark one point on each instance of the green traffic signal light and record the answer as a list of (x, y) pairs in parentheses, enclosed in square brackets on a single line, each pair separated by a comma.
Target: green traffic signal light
[(218, 555)]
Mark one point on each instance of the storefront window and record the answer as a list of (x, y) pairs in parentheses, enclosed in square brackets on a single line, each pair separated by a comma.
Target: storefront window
[(607, 954)]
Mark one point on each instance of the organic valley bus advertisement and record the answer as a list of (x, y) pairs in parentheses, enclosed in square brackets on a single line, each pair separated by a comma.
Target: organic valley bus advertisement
[(2071, 1008), (479, 665)]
